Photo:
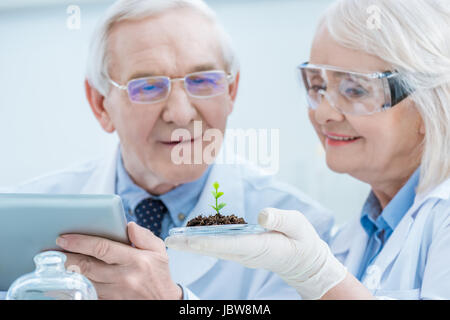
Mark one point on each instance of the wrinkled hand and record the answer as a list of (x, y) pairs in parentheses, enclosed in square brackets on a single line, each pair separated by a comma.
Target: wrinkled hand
[(291, 248), (120, 271)]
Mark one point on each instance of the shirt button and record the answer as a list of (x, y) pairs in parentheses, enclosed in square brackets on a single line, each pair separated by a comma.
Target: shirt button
[(181, 216), (373, 277)]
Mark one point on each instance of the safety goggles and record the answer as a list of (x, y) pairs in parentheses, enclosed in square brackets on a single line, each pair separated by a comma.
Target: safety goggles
[(206, 84), (351, 92)]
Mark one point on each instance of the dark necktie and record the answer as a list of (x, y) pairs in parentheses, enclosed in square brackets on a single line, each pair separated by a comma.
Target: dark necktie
[(149, 214)]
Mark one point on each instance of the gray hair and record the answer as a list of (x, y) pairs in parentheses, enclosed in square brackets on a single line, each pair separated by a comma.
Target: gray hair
[(414, 37), (97, 64)]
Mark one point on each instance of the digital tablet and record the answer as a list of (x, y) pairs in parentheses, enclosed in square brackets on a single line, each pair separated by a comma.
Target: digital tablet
[(30, 223)]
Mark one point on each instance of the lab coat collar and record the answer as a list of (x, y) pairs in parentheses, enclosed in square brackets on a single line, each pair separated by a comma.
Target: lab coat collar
[(103, 179), (442, 191)]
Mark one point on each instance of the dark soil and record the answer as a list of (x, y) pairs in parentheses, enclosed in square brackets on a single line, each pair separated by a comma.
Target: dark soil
[(216, 219)]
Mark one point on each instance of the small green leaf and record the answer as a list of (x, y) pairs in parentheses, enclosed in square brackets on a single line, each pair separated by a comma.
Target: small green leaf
[(221, 205), (216, 185), (219, 194), (214, 194), (213, 207)]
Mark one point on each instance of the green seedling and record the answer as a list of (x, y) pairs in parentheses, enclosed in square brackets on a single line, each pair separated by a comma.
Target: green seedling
[(217, 195)]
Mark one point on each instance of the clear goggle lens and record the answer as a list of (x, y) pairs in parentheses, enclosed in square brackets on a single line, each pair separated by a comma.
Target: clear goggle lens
[(349, 92)]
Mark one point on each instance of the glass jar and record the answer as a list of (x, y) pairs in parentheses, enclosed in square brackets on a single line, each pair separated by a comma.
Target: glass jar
[(51, 281)]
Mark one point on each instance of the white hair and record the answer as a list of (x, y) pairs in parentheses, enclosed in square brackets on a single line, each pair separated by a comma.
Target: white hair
[(414, 37), (98, 60)]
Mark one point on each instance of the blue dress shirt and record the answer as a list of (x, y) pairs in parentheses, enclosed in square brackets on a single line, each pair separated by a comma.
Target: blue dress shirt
[(179, 201), (379, 224)]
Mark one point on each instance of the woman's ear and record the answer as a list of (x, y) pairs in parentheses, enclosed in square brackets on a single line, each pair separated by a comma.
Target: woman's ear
[(421, 123), (97, 102), (422, 128)]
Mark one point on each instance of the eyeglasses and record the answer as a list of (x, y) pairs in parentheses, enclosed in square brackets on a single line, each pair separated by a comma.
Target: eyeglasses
[(201, 85), (351, 92)]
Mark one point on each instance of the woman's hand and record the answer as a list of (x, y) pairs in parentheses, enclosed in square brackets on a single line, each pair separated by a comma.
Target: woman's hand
[(291, 248)]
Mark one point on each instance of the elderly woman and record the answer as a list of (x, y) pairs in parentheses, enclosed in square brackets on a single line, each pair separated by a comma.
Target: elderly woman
[(379, 100)]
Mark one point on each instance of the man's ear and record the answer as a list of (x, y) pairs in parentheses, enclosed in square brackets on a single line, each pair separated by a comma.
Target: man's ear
[(233, 89), (96, 101)]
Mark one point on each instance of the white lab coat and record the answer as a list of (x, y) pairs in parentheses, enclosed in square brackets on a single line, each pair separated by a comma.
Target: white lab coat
[(415, 261), (201, 276)]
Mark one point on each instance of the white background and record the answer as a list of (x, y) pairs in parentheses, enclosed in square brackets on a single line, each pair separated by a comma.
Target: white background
[(46, 124)]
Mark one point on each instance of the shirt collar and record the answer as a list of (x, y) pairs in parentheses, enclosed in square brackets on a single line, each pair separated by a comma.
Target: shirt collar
[(374, 218), (180, 200)]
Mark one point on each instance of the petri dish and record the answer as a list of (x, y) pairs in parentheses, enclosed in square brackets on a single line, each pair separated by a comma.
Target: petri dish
[(226, 229)]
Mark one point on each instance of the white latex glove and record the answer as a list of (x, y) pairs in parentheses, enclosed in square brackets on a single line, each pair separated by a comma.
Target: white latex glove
[(291, 248)]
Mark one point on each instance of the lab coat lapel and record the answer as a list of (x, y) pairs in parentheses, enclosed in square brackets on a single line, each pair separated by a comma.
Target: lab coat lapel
[(103, 178), (440, 192), (185, 267), (349, 245), (395, 242)]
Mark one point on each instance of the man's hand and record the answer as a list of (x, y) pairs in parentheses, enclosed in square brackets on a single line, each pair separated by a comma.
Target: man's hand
[(119, 271)]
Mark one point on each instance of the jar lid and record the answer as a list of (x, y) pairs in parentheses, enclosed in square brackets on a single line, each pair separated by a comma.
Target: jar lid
[(50, 258)]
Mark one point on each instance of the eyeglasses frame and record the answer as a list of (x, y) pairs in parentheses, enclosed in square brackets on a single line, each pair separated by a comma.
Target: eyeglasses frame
[(229, 77)]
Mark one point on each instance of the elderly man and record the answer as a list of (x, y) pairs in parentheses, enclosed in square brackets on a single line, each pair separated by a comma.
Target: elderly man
[(156, 67)]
